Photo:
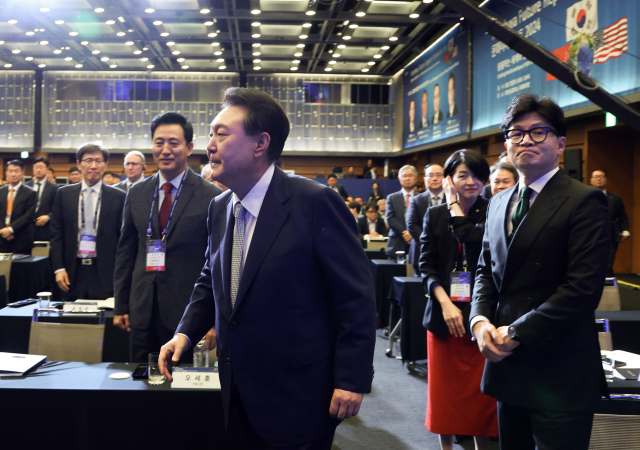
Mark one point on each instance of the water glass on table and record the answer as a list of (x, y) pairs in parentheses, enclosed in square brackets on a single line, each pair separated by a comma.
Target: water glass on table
[(155, 377)]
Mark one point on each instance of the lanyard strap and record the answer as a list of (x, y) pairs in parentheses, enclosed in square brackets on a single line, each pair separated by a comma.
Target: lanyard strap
[(461, 251), (173, 207), (95, 213)]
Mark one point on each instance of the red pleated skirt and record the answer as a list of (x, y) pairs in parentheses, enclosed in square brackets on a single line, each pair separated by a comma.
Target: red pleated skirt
[(455, 404)]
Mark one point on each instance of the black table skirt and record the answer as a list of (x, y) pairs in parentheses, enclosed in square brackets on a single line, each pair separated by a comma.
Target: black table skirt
[(77, 406), (383, 271), (15, 326), (3, 291), (409, 293), (30, 276)]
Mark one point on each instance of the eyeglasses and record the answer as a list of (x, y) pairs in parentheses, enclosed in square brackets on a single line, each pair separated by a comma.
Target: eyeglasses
[(598, 177), (435, 175), (89, 162), (132, 164), (537, 135)]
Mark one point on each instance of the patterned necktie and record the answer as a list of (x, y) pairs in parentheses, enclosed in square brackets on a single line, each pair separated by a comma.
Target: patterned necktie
[(39, 192), (237, 252), (165, 209), (406, 202), (435, 201), (88, 211), (10, 205), (521, 208)]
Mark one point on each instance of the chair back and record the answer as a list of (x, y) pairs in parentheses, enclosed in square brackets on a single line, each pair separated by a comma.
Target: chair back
[(40, 248), (610, 300), (5, 269), (604, 335), (67, 341)]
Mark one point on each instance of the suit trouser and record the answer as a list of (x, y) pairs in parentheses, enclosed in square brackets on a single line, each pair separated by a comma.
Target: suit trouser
[(528, 429), (242, 435), (86, 283), (612, 257), (143, 341)]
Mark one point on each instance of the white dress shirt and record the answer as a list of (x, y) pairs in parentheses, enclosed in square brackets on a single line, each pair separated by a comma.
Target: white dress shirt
[(94, 200)]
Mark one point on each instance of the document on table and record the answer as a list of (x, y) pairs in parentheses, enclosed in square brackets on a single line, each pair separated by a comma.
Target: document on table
[(16, 364)]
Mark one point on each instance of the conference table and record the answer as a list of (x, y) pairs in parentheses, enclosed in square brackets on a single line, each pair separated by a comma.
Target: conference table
[(384, 270), (15, 326), (77, 406), (408, 293)]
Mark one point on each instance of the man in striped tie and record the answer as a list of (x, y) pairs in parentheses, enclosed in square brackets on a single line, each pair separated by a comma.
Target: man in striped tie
[(17, 211)]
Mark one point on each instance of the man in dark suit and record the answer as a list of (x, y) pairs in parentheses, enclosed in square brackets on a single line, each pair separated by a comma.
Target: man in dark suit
[(17, 210), (349, 174), (433, 196), (371, 223), (424, 121), (396, 208), (288, 286), (619, 218), (85, 226), (153, 287), (540, 278), (372, 174), (332, 182), (46, 193), (451, 92), (135, 164), (437, 115), (487, 190), (74, 175)]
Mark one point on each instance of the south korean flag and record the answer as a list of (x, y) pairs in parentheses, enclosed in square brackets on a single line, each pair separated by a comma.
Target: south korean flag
[(582, 17)]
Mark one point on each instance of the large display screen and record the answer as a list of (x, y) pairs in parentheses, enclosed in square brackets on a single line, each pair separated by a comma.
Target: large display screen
[(596, 37)]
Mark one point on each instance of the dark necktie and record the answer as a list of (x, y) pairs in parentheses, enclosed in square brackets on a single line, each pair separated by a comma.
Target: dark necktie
[(165, 209), (521, 208), (38, 191)]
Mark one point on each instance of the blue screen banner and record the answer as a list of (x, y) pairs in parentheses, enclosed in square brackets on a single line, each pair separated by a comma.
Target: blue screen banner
[(436, 91), (597, 37)]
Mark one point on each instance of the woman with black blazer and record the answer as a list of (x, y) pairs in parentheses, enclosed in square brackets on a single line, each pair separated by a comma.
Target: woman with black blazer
[(451, 243), (375, 194)]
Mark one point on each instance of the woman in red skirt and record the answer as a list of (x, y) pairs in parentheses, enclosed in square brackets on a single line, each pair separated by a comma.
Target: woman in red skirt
[(451, 243)]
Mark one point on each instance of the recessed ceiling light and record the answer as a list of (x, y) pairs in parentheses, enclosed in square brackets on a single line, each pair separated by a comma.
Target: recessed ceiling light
[(57, 52), (360, 14), (78, 66), (8, 65), (377, 56), (217, 53), (257, 67), (44, 9), (42, 66), (137, 52), (393, 38), (120, 33), (113, 66), (41, 29), (384, 47), (371, 63), (215, 44), (128, 43), (111, 22), (212, 34), (222, 67), (96, 52), (427, 1), (66, 48), (29, 58), (121, 19), (414, 16), (220, 60), (255, 11), (310, 13), (256, 53), (68, 58), (185, 67), (180, 59), (84, 42), (332, 62), (256, 61), (294, 68), (145, 48), (177, 52), (59, 22), (303, 36), (12, 21), (170, 43), (342, 46), (15, 51), (1, 42), (346, 38), (256, 44), (306, 25), (29, 33), (365, 70), (150, 66), (336, 55), (328, 69), (104, 58), (157, 22), (165, 34), (99, 10), (296, 61), (255, 36), (149, 10), (256, 24), (205, 11), (73, 33), (353, 26), (144, 59), (297, 54)]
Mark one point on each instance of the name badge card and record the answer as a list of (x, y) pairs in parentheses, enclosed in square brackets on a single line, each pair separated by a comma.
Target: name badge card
[(460, 286), (156, 251), (87, 246), (195, 378)]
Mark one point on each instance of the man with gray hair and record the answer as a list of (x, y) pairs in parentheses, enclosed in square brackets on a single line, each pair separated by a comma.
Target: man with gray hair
[(397, 205), (134, 166)]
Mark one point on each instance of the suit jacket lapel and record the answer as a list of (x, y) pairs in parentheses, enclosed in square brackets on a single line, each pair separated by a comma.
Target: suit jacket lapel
[(105, 206), (498, 226), (272, 216), (73, 209), (546, 204), (187, 190)]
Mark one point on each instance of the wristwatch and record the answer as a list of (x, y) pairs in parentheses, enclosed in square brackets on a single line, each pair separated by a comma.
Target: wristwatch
[(449, 205), (511, 331)]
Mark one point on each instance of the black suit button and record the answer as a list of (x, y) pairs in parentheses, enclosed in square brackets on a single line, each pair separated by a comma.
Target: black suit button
[(229, 361), (232, 326)]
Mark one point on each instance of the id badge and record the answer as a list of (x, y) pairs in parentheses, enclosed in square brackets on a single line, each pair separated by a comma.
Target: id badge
[(87, 248), (156, 251), (460, 286)]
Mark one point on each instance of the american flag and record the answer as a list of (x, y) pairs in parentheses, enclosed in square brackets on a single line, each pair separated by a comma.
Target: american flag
[(610, 42)]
